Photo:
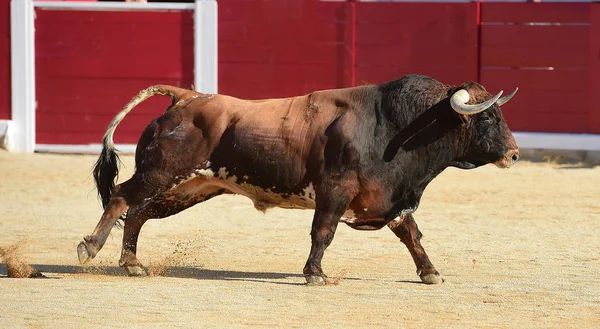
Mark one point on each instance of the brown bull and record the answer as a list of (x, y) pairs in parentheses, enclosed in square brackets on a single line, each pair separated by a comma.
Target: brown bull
[(361, 155)]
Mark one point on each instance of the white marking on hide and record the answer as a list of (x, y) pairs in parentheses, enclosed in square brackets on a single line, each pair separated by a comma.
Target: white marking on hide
[(203, 181), (223, 173), (205, 172), (408, 211), (349, 214), (309, 192)]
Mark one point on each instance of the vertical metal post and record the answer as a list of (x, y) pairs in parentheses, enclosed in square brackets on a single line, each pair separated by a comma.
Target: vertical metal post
[(21, 136), (205, 47)]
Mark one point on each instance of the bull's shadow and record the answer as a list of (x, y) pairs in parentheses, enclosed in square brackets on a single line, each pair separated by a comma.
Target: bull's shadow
[(187, 273), (171, 272)]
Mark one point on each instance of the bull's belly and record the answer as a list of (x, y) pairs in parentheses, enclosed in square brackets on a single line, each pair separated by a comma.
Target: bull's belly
[(265, 198), (203, 184)]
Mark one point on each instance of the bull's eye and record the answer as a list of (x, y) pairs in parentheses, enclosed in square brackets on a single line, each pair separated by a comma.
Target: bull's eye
[(486, 146), (487, 120)]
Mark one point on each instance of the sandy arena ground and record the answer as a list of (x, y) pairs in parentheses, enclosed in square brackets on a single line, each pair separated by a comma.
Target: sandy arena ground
[(518, 248)]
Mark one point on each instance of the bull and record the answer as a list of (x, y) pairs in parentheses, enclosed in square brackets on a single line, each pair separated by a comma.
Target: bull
[(361, 156)]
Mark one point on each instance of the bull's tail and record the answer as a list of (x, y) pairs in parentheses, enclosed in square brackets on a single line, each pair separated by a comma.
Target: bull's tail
[(106, 169)]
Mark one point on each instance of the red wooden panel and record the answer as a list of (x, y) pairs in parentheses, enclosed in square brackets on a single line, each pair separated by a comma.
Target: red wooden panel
[(535, 46), (118, 66), (277, 53), (550, 80), (550, 122), (276, 11), (543, 101), (376, 75), (420, 54), (90, 96), (549, 100), (390, 12), (132, 18), (567, 36), (241, 32), (5, 90), (347, 50), (594, 88), (540, 56), (255, 81), (90, 64), (133, 124), (134, 46), (543, 96), (81, 128), (87, 113), (282, 48), (534, 12), (396, 37)]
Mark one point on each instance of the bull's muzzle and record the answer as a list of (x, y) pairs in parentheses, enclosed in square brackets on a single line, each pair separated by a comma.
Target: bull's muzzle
[(509, 159)]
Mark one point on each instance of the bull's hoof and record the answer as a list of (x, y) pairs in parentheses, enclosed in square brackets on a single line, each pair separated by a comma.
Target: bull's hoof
[(84, 253), (135, 270), (315, 280), (432, 278)]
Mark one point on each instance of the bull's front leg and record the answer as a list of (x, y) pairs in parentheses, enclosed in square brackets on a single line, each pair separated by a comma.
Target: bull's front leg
[(407, 230), (330, 206)]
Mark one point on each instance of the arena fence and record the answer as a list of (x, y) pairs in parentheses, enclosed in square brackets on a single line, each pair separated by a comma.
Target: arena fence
[(83, 76)]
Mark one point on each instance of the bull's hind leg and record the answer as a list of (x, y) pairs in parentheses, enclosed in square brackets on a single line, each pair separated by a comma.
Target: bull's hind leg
[(131, 232), (161, 206), (136, 217), (91, 244), (407, 230)]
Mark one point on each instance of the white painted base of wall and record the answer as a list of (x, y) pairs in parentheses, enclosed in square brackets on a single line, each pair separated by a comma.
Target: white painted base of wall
[(547, 141), (82, 149), (525, 140)]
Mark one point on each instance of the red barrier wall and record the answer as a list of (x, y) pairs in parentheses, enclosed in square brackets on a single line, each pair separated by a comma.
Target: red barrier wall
[(545, 51), (5, 90), (89, 64)]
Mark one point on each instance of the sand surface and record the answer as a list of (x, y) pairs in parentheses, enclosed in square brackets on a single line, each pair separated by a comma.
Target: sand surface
[(518, 248)]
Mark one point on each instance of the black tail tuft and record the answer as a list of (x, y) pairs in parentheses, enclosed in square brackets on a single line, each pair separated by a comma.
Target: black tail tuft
[(106, 170)]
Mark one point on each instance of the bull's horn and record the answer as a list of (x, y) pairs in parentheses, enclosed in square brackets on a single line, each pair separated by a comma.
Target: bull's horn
[(506, 98), (459, 100)]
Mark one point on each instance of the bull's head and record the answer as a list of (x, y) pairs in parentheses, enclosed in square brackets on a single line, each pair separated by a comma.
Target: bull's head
[(490, 139)]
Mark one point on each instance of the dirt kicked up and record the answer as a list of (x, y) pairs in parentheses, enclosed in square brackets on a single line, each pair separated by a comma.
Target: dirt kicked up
[(517, 248)]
